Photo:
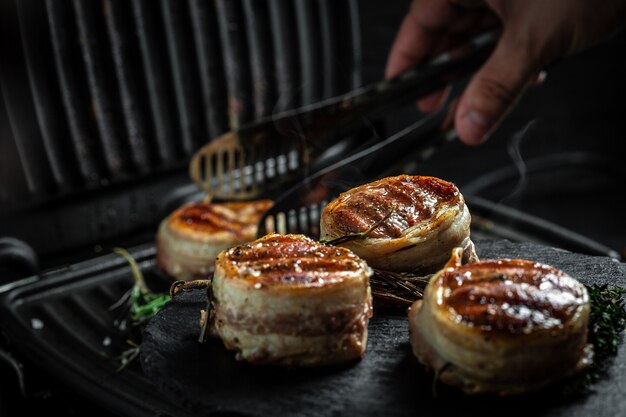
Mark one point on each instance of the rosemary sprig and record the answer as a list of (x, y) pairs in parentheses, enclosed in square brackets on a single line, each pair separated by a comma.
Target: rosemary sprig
[(136, 307), (141, 303), (390, 288), (397, 289), (607, 322)]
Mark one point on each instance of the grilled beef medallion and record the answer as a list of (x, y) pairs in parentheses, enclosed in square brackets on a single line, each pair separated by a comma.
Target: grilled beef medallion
[(504, 326), (415, 222), (189, 240), (289, 300)]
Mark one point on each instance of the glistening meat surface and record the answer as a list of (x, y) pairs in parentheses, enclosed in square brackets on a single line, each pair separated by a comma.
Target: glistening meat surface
[(503, 326), (289, 300)]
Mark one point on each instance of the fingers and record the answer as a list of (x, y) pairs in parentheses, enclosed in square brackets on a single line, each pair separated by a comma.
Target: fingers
[(493, 90), (432, 27), (427, 24), (411, 45), (469, 4)]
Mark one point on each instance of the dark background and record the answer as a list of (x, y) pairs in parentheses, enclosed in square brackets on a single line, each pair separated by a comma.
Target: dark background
[(572, 155), (577, 127)]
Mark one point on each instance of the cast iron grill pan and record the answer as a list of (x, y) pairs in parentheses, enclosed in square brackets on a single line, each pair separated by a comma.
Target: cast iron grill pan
[(105, 92), (63, 323)]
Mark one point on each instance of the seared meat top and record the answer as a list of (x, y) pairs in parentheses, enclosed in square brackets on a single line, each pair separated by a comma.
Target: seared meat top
[(291, 260), (206, 218), (510, 295), (411, 200)]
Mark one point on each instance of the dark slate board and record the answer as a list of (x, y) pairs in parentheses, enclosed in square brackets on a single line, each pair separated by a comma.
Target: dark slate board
[(387, 381)]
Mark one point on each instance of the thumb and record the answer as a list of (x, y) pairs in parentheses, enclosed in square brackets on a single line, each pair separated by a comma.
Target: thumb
[(493, 90)]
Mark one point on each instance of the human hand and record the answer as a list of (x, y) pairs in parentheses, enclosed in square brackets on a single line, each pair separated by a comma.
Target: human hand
[(534, 33)]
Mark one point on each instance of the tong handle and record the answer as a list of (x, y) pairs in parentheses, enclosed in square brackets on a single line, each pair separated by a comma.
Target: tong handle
[(432, 130), (316, 119)]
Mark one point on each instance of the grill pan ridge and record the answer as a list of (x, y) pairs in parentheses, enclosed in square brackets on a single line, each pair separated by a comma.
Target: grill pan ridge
[(70, 307), (105, 101), (107, 91)]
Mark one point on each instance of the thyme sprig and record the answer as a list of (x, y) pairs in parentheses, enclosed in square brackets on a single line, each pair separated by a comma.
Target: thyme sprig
[(607, 322), (607, 318)]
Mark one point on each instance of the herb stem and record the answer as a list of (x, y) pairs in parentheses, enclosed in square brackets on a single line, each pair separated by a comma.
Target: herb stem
[(137, 275)]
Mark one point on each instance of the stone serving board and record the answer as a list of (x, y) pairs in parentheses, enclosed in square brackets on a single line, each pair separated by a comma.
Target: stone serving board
[(207, 380)]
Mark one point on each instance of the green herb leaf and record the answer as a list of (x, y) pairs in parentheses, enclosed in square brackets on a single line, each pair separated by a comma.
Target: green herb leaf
[(137, 306), (142, 304), (607, 321)]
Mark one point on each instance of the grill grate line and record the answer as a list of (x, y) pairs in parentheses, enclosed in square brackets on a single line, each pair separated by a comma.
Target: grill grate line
[(309, 48), (21, 118), (156, 73), (182, 63), (123, 52), (46, 97), (237, 71), (92, 317), (209, 65), (260, 54), (329, 45), (355, 43), (103, 101), (285, 56), (345, 29), (57, 319), (71, 81), (29, 169)]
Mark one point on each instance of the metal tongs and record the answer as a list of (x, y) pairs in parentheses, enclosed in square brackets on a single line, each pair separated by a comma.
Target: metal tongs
[(298, 210), (265, 156)]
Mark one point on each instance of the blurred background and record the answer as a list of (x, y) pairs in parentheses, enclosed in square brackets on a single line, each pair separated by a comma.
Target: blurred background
[(559, 154), (102, 104)]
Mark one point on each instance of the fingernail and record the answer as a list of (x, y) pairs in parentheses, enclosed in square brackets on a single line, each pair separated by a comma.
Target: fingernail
[(474, 127)]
